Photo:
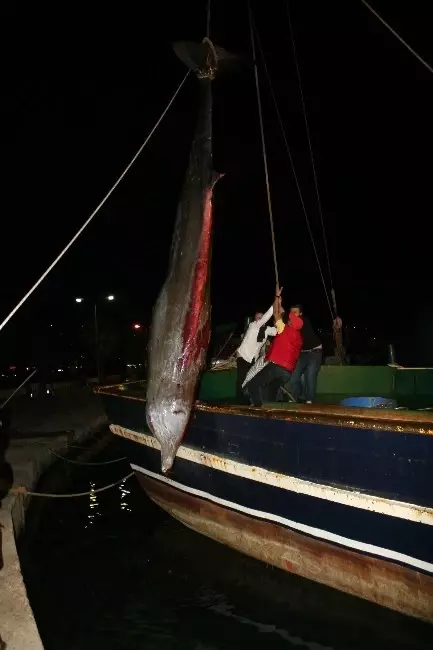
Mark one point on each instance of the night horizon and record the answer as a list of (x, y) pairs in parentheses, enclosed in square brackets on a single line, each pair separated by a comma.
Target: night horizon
[(74, 120)]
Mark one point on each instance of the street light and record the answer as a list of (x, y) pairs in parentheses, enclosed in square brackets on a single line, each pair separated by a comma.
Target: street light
[(110, 298)]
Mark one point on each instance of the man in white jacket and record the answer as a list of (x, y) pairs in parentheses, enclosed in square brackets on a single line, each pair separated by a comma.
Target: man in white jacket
[(252, 343)]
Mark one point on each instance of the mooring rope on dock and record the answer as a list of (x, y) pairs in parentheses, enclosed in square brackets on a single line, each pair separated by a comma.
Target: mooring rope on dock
[(21, 490), (82, 462)]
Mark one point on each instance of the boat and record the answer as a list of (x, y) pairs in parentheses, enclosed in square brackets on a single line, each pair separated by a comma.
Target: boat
[(339, 495), (336, 493)]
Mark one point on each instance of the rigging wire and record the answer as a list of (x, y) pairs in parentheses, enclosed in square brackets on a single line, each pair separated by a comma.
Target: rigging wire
[(289, 153), (98, 207), (316, 184), (411, 50), (262, 132)]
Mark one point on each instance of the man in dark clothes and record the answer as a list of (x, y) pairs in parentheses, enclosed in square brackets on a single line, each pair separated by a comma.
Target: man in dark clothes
[(309, 361)]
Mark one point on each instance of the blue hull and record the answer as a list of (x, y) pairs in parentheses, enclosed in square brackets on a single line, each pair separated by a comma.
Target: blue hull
[(355, 491)]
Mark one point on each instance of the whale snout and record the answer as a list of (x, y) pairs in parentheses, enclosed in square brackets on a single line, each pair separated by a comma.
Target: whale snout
[(167, 420)]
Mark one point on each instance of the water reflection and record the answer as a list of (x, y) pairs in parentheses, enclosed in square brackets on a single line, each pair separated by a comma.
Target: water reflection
[(124, 493), (133, 577), (225, 609), (93, 506)]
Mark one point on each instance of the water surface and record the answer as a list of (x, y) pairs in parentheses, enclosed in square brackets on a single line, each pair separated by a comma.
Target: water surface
[(113, 571)]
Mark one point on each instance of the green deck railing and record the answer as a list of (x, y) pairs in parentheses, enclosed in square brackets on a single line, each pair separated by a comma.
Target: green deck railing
[(412, 387)]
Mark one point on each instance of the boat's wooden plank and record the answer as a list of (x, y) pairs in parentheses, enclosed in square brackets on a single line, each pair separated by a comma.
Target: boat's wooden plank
[(385, 583)]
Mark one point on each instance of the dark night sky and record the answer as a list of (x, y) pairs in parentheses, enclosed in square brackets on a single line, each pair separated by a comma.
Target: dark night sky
[(83, 89)]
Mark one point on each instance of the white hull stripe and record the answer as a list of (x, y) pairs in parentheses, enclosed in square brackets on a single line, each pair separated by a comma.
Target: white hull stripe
[(390, 507), (303, 528)]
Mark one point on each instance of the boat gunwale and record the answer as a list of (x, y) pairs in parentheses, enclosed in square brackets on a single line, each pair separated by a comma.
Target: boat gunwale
[(320, 414)]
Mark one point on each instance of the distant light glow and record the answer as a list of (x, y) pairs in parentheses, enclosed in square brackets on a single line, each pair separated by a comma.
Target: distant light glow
[(59, 370), (136, 326), (110, 297), (78, 300)]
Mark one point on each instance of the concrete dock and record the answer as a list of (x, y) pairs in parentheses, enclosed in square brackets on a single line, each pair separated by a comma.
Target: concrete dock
[(37, 426)]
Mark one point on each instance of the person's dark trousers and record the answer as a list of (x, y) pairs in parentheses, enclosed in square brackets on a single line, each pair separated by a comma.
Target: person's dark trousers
[(242, 371), (272, 392), (267, 381), (308, 367)]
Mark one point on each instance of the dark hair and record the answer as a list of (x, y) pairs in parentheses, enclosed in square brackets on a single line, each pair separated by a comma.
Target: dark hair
[(298, 306)]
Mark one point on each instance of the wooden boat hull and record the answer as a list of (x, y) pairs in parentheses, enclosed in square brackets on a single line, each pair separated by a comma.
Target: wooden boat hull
[(384, 583), (339, 496)]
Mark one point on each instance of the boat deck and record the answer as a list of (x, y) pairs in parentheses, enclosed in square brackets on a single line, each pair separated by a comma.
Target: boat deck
[(401, 420), (410, 388), (137, 390)]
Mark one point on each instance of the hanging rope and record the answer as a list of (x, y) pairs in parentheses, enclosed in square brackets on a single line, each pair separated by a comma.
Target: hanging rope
[(334, 302), (59, 257), (22, 490), (265, 161), (307, 128), (411, 50), (294, 172), (338, 339)]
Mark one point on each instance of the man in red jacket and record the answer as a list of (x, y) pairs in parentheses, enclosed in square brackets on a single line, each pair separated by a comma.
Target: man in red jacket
[(281, 358)]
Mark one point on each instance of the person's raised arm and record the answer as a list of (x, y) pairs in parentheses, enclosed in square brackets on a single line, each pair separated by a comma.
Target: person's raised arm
[(278, 310), (277, 306), (266, 316)]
